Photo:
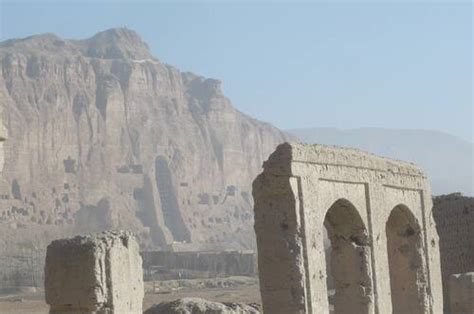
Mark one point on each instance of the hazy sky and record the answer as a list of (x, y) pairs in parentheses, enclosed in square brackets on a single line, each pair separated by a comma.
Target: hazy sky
[(398, 64)]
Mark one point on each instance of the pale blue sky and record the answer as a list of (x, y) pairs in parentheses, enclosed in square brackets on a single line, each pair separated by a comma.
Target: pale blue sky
[(398, 64)]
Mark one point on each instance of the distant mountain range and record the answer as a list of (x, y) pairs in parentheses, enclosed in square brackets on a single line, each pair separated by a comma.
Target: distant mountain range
[(448, 160)]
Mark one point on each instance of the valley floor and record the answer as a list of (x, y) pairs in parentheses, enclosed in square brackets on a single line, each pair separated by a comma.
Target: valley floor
[(239, 290)]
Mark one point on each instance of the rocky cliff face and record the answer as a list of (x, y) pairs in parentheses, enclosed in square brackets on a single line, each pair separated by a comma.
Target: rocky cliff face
[(102, 135)]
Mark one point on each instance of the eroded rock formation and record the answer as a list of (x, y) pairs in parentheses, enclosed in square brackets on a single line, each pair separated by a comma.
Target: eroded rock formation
[(103, 135)]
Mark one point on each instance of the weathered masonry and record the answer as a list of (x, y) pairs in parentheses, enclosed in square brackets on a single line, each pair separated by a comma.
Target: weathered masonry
[(377, 212), (94, 274), (461, 288), (454, 217)]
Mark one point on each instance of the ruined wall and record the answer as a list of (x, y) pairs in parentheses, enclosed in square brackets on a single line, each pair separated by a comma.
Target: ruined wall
[(454, 216), (100, 273), (377, 211), (211, 264), (461, 287)]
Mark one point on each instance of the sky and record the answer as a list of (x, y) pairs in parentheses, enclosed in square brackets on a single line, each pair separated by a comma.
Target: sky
[(345, 64)]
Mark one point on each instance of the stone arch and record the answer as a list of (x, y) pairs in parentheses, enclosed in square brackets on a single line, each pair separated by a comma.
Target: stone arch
[(405, 258), (350, 257), (298, 185)]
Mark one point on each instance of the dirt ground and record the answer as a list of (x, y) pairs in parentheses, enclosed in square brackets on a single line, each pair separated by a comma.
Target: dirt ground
[(33, 302)]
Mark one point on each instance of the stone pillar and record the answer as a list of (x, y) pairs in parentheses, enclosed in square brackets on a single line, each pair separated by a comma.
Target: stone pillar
[(461, 293), (100, 274)]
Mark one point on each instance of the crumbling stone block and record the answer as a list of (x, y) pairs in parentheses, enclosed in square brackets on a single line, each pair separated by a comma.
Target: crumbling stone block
[(461, 293), (384, 255), (98, 274)]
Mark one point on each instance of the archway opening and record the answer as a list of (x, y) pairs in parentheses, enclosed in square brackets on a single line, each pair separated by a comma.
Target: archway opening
[(404, 245), (348, 260)]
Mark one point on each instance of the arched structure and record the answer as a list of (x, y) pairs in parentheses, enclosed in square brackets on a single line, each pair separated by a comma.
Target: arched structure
[(405, 260), (356, 195), (350, 258)]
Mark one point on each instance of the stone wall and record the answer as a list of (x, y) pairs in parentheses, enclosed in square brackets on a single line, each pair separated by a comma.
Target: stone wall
[(22, 270), (454, 216)]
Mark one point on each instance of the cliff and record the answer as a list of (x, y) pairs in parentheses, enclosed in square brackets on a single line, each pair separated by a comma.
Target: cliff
[(102, 135)]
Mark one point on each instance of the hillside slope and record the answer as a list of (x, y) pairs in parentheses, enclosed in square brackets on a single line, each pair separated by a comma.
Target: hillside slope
[(102, 135)]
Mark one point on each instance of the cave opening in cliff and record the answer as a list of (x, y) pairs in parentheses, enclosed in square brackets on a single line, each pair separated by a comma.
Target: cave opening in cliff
[(169, 201)]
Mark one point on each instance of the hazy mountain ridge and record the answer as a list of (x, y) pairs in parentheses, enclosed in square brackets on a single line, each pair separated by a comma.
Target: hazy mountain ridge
[(448, 160), (102, 135)]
